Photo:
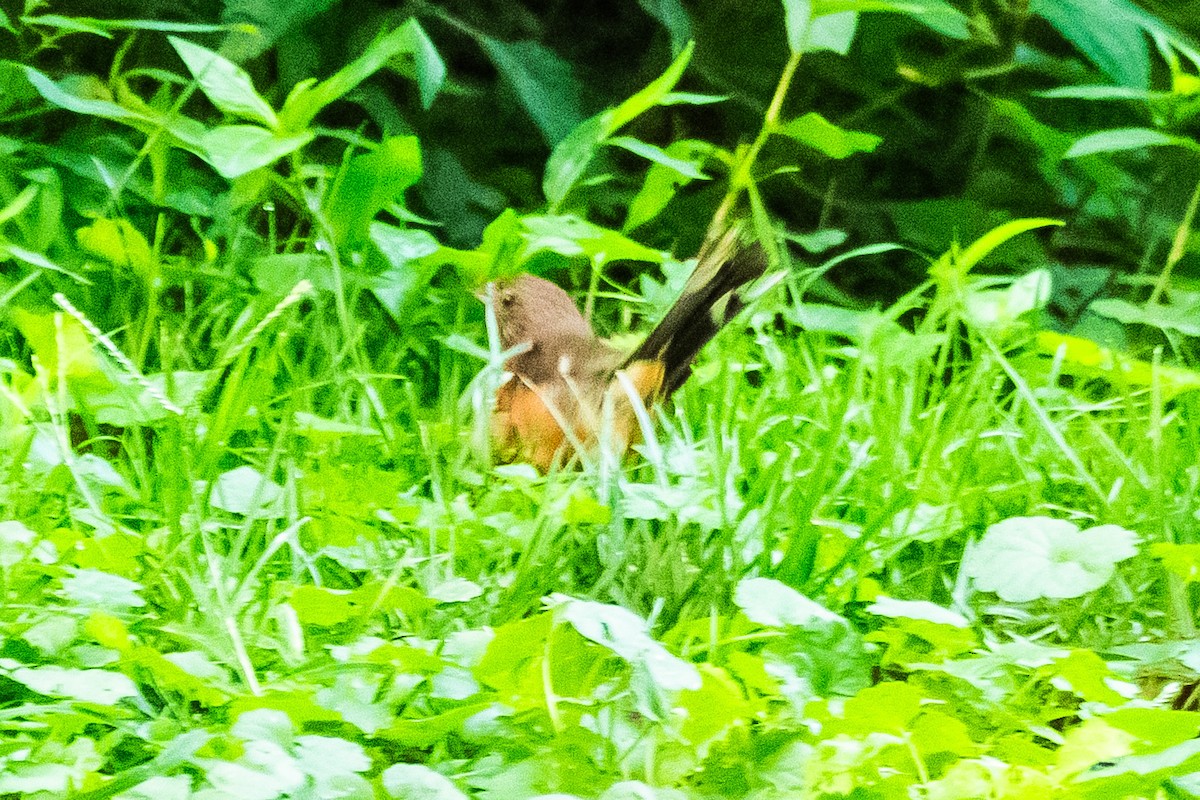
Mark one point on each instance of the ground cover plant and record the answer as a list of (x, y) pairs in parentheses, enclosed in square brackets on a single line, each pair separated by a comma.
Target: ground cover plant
[(925, 522)]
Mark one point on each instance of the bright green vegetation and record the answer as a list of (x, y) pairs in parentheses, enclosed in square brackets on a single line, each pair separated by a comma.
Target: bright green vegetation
[(916, 527)]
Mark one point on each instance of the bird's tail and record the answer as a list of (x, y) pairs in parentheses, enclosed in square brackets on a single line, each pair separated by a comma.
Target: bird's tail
[(710, 299)]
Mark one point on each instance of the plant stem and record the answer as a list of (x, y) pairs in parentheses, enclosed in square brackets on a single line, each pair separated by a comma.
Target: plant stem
[(740, 175)]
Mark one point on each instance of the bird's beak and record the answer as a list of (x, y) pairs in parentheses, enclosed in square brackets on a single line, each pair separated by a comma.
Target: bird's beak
[(485, 294)]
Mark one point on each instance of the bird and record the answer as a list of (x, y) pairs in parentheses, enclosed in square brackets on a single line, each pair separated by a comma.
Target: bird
[(566, 385)]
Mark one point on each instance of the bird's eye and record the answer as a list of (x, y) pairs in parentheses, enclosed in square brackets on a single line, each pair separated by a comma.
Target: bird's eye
[(507, 299)]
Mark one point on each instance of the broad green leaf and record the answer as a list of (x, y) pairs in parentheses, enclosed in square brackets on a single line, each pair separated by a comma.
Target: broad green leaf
[(656, 154), (455, 590), (76, 359), (571, 156), (244, 490), (810, 27), (1085, 357), (832, 32), (308, 98), (146, 399), (626, 634), (887, 707), (571, 236), (58, 771), (1000, 308), (355, 696), (225, 84), (937, 15), (160, 787), (373, 182), (717, 705), (1027, 558), (118, 243), (92, 588), (664, 181), (418, 782), (16, 540), (1179, 760), (1180, 559), (98, 686), (1120, 139), (1185, 319), (1085, 673), (935, 732), (278, 273), (419, 59), (429, 730), (1156, 727), (542, 81), (234, 150), (55, 95), (819, 133), (408, 272), (797, 16), (673, 17), (327, 608), (1109, 32), (263, 771), (769, 602), (917, 609)]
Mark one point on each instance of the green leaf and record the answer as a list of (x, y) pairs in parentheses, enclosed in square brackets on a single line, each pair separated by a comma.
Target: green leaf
[(626, 634), (98, 686), (810, 29), (664, 181), (1120, 139), (92, 588), (814, 130), (917, 609), (937, 15), (373, 182), (542, 81), (1094, 92), (1109, 32), (571, 236), (571, 156), (408, 272), (54, 94), (673, 17), (234, 150), (118, 243), (1184, 319), (797, 16), (1000, 308), (67, 24), (308, 98), (1026, 558), (1086, 674), (418, 782), (278, 274), (419, 59), (1178, 760), (769, 602), (244, 490), (657, 155), (226, 85), (327, 608)]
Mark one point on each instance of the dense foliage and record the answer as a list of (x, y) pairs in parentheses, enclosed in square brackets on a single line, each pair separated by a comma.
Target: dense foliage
[(924, 523)]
